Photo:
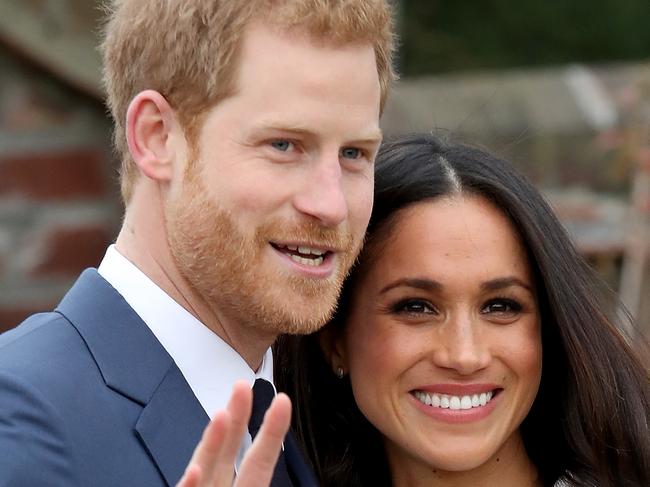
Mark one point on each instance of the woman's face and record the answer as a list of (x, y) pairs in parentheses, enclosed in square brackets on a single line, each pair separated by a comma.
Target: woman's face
[(442, 342)]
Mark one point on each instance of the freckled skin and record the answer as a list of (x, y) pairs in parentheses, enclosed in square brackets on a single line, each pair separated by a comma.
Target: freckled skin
[(458, 332)]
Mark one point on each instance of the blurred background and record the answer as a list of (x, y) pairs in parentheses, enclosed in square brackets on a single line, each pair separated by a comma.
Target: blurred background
[(560, 88)]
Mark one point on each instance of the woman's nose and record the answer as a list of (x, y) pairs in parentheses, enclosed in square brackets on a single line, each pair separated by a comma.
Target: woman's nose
[(460, 346)]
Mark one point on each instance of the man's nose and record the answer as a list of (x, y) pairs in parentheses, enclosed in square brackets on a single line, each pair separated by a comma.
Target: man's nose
[(322, 195), (460, 346)]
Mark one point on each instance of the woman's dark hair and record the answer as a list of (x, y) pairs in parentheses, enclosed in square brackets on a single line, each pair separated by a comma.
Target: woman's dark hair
[(589, 422)]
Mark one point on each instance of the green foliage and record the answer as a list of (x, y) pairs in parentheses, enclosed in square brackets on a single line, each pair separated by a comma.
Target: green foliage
[(448, 35)]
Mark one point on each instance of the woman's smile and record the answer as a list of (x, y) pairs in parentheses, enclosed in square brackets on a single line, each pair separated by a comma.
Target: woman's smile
[(443, 345)]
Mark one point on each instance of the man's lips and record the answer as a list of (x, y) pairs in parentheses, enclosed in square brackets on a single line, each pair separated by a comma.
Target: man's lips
[(307, 255), (304, 253)]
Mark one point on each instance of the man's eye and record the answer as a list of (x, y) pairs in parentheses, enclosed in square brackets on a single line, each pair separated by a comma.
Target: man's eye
[(351, 153), (281, 145)]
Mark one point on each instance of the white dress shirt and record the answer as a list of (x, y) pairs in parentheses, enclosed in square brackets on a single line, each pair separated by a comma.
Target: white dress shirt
[(210, 366)]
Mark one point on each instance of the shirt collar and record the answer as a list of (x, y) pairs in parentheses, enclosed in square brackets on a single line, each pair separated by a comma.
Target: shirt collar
[(210, 366)]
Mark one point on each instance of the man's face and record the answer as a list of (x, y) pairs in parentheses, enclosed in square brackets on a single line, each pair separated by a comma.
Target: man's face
[(271, 216)]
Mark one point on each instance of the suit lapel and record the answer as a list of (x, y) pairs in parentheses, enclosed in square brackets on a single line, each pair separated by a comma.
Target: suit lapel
[(171, 426), (134, 364)]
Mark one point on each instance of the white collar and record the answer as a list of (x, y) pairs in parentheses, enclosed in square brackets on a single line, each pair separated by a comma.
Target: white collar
[(210, 366)]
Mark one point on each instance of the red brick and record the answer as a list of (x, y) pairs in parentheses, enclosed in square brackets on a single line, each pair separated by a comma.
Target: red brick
[(10, 317), (70, 250), (60, 175)]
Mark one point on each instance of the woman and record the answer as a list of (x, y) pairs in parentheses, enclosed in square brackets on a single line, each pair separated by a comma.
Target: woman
[(431, 373)]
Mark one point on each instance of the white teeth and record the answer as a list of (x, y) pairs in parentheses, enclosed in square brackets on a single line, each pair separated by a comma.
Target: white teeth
[(466, 402), (435, 400), (453, 402), (310, 262), (309, 251), (305, 251)]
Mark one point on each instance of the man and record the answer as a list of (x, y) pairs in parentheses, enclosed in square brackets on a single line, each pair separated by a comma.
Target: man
[(247, 132)]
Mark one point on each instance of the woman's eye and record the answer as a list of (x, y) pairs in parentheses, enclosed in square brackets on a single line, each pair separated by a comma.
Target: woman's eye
[(414, 306), (501, 307), (351, 153), (281, 145)]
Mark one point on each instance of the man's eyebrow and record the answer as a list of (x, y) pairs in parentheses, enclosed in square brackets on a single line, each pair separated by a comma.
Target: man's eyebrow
[(413, 282), (282, 127), (372, 136), (504, 282)]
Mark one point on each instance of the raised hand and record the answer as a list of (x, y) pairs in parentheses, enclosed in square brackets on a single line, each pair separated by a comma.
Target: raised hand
[(214, 457)]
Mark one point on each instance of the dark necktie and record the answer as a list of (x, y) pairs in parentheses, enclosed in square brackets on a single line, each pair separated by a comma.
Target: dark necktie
[(263, 394)]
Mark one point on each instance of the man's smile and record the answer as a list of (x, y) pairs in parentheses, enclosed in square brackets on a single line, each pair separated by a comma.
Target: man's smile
[(304, 254)]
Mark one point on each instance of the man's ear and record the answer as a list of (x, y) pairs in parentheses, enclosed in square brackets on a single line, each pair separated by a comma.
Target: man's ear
[(331, 343), (150, 126)]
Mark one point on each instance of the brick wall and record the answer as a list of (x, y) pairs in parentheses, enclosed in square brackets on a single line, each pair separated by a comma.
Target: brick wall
[(59, 206)]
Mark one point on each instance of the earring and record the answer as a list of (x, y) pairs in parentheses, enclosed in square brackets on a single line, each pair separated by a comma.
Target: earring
[(340, 372)]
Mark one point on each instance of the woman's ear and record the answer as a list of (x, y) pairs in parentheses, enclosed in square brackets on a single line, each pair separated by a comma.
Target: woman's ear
[(150, 126), (333, 347)]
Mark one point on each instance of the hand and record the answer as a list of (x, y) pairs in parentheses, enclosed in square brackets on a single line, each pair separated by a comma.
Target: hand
[(212, 464)]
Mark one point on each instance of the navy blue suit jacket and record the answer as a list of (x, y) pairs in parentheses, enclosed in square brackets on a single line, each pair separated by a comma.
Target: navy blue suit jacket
[(89, 397)]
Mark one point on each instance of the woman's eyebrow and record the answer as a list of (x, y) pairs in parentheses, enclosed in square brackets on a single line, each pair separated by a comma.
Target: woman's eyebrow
[(414, 282), (432, 285), (504, 282)]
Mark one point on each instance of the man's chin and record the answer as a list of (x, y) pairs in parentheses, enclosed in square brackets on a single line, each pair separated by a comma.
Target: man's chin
[(301, 321), (303, 327)]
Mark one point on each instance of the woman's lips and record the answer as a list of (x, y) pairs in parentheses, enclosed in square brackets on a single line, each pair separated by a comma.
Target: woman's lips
[(457, 403)]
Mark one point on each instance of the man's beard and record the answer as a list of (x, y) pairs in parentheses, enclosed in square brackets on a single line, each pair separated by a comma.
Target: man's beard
[(235, 273)]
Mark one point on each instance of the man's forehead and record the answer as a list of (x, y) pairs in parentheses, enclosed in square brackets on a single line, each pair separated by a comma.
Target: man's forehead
[(298, 35)]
